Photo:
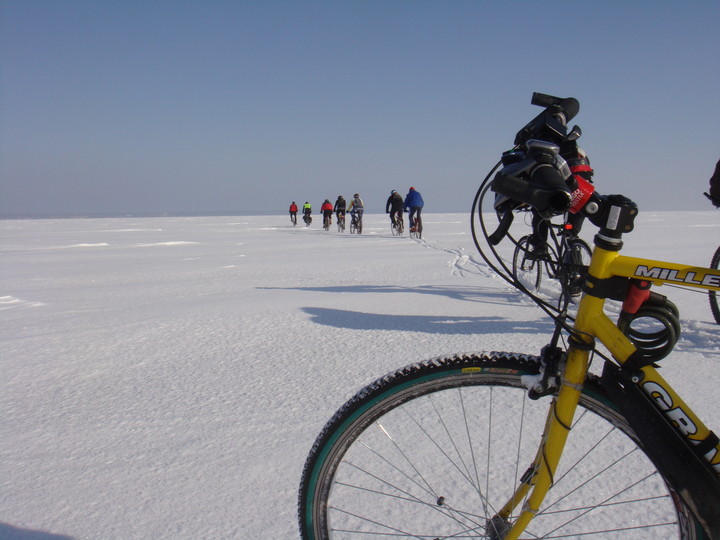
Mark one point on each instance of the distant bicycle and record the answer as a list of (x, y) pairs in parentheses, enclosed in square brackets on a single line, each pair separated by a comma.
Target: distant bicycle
[(341, 223), (416, 228), (307, 219), (714, 307), (293, 219), (564, 258), (326, 223), (356, 223), (397, 227)]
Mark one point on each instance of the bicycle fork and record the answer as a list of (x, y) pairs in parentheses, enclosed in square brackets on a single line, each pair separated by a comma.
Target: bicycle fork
[(540, 475)]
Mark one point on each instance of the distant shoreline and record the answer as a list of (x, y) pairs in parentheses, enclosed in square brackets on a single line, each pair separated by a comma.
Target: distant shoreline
[(230, 213), (100, 215)]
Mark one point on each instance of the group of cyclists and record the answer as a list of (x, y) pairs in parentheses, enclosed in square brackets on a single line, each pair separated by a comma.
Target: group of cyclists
[(341, 207), (412, 203)]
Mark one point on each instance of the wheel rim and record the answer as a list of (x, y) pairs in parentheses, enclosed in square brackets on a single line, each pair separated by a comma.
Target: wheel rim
[(388, 482), (526, 269)]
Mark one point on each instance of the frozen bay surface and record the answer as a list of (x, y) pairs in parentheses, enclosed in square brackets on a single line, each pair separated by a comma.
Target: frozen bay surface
[(166, 377)]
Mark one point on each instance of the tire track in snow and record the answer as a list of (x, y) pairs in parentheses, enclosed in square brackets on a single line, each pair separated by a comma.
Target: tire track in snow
[(461, 264)]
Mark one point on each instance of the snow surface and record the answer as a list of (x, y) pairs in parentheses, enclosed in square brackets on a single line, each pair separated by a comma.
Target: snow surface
[(166, 377)]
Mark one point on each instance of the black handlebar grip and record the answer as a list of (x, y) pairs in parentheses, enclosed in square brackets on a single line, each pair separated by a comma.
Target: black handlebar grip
[(546, 192), (546, 176), (543, 100), (503, 227), (553, 195), (569, 107)]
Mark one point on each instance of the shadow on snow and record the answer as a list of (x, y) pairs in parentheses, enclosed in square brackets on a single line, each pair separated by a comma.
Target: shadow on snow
[(429, 324), (10, 532), (484, 295)]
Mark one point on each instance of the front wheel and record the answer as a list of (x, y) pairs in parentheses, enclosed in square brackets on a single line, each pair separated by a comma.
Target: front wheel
[(576, 260), (416, 229), (396, 226), (529, 264), (435, 449), (714, 307)]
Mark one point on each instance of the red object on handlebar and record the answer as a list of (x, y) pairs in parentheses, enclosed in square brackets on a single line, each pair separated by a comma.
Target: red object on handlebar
[(581, 195)]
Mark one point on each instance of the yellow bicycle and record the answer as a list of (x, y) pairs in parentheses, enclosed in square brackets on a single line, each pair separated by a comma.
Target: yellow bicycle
[(503, 445)]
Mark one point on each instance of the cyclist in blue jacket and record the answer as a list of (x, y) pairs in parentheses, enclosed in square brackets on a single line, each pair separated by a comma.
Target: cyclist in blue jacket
[(414, 204)]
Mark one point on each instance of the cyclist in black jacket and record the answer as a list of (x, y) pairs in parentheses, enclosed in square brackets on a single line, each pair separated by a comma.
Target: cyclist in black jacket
[(394, 206), (340, 207)]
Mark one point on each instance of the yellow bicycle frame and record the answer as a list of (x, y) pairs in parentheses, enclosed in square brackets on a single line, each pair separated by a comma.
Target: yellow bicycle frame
[(592, 323)]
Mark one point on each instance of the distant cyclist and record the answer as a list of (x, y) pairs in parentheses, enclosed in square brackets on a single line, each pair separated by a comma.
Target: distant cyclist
[(394, 207), (356, 207), (414, 204), (307, 210), (293, 213), (327, 210), (340, 207)]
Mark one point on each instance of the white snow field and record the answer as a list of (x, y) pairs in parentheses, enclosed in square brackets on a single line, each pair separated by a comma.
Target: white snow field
[(165, 378)]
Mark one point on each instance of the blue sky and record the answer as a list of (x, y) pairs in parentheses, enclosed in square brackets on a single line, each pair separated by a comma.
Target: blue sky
[(190, 106)]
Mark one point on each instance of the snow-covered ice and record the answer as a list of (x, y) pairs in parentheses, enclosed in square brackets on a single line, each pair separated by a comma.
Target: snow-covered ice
[(166, 377)]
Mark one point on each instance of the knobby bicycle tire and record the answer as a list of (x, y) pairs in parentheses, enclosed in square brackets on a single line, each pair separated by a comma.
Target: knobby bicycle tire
[(712, 295), (417, 226), (396, 228), (528, 268), (356, 226), (576, 259), (434, 449)]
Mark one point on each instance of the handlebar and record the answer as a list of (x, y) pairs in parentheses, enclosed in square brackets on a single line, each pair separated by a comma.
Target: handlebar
[(544, 189), (535, 174), (539, 180), (551, 124), (569, 107)]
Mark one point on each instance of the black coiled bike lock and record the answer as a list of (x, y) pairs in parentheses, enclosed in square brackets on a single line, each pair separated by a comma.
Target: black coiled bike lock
[(650, 321)]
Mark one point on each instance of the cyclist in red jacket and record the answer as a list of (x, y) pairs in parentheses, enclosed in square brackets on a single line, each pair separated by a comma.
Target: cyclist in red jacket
[(327, 210), (293, 213)]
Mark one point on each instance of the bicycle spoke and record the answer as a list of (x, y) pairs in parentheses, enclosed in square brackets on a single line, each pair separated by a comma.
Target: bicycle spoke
[(412, 465), (441, 463), (423, 484), (642, 528)]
